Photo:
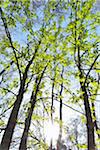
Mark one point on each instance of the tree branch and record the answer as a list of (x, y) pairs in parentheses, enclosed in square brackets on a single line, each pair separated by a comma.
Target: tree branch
[(90, 69), (10, 40)]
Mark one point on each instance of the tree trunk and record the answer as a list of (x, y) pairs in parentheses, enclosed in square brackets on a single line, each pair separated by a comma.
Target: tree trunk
[(90, 124), (23, 143), (95, 122), (6, 140), (89, 120), (7, 137), (52, 103), (59, 141)]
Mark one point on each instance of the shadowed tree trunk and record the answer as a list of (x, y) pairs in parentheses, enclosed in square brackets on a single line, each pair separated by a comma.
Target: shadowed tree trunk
[(90, 124), (51, 142), (95, 122), (93, 107), (77, 49), (7, 137), (60, 109), (23, 143), (89, 120), (59, 142), (52, 102)]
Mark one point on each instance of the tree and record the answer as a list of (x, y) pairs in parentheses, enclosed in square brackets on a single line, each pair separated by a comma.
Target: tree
[(47, 48), (81, 47), (23, 143)]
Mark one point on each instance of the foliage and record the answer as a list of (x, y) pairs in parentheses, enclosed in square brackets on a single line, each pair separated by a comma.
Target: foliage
[(38, 39)]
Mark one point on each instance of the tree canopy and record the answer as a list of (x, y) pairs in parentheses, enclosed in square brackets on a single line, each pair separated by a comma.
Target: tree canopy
[(49, 66)]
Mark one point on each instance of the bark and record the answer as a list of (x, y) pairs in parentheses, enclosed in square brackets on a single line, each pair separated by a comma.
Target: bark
[(7, 137), (93, 106), (90, 124), (23, 143), (59, 142), (95, 122), (60, 110), (52, 103), (52, 100), (61, 95)]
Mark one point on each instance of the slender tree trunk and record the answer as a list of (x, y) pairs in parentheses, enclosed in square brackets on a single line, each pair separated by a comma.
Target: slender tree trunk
[(6, 140), (90, 124), (51, 144), (95, 122), (89, 120), (23, 143), (60, 110), (7, 137), (52, 103), (93, 106), (59, 142)]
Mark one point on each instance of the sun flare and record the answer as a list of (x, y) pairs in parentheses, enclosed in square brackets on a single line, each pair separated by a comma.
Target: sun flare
[(51, 132)]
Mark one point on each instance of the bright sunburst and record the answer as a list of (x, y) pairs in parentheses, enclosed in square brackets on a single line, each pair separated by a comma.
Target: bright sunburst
[(51, 132)]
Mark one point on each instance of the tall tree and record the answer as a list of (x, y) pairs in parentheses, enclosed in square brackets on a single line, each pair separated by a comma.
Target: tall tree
[(59, 142), (82, 45), (62, 34), (23, 143)]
